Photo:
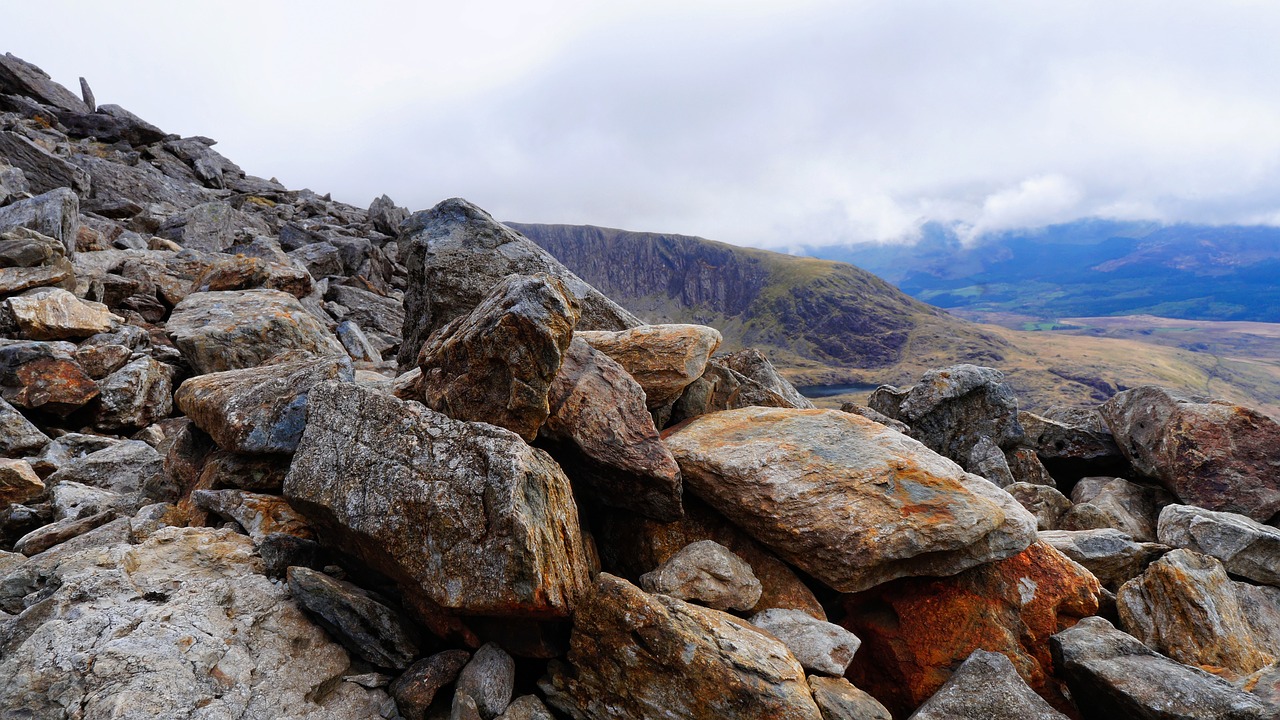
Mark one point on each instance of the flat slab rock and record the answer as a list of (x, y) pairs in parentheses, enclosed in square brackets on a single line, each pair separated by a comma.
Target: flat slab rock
[(463, 515), (642, 656), (1246, 548), (845, 499)]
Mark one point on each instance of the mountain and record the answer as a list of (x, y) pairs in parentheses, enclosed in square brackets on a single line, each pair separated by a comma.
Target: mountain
[(1088, 268)]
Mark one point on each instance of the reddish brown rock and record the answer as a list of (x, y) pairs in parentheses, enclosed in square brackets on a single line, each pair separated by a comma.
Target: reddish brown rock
[(1210, 453), (18, 482), (845, 499), (916, 631), (496, 363), (664, 359), (43, 376), (643, 656), (603, 435)]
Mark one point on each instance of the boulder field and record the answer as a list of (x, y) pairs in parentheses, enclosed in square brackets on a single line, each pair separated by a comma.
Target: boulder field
[(264, 454)]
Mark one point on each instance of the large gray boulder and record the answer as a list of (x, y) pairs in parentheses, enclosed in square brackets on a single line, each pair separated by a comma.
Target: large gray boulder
[(707, 573), (1245, 547), (19, 77), (986, 687), (55, 214), (43, 170), (455, 252)]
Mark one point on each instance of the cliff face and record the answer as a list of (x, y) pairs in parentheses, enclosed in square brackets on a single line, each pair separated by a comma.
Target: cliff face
[(822, 311)]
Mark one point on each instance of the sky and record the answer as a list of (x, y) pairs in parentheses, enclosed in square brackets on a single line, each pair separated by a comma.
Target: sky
[(756, 122)]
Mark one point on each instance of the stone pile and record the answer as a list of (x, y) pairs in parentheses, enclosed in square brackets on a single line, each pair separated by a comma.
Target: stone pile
[(265, 454)]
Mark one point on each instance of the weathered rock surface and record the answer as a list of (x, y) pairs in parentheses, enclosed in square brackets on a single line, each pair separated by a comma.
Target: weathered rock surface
[(359, 621), (721, 388), (55, 314), (464, 514), (219, 331), (18, 482), (644, 656), (182, 625), (259, 514), (821, 647), (664, 359), (526, 707), (489, 679), (18, 436), (19, 77), (754, 365), (1074, 442), (261, 409), (1045, 503), (416, 688), (706, 573), (455, 252), (847, 500), (135, 396), (1026, 467), (1109, 554), (126, 467), (43, 170), (1116, 503), (915, 631), (55, 214), (1112, 675), (602, 434), (496, 363), (986, 687), (838, 699), (1246, 548), (1212, 454), (988, 460)]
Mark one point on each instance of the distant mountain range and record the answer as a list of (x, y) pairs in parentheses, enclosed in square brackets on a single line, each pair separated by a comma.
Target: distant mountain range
[(1088, 268)]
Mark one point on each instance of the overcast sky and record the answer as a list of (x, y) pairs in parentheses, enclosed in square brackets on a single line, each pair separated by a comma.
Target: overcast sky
[(762, 122)]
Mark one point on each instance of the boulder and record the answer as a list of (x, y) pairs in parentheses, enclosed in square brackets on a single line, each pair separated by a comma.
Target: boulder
[(416, 688), (720, 388), (18, 437), (845, 499), (19, 77), (259, 514), (1116, 503), (877, 416), (643, 656), (43, 170), (1072, 442), (55, 533), (752, 363), (1209, 453), (1045, 503), (489, 679), (707, 573), (13, 184), (219, 331), (496, 363), (55, 213), (102, 360), (1185, 607), (386, 216), (44, 376), (916, 631), (820, 647), (602, 434), (1246, 548), (364, 625), (18, 482), (838, 699), (1113, 675), (986, 687), (55, 314), (135, 396), (258, 410), (208, 227), (526, 707), (356, 342), (455, 252), (195, 630), (463, 515), (111, 124), (664, 359), (125, 467), (988, 460), (1026, 467), (951, 409), (1109, 554)]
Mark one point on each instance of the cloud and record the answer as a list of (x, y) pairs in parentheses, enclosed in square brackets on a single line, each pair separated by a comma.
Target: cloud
[(1034, 202)]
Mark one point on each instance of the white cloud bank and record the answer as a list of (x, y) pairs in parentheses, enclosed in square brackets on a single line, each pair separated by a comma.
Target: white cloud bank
[(765, 123)]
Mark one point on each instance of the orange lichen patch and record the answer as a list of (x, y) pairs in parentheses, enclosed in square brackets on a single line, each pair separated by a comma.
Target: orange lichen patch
[(916, 631)]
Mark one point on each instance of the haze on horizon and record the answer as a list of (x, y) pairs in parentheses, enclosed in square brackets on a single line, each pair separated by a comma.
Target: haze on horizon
[(756, 122)]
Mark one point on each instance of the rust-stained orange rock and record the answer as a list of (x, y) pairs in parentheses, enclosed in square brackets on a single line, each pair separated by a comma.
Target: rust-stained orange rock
[(259, 514), (916, 631), (845, 499), (42, 376), (664, 359)]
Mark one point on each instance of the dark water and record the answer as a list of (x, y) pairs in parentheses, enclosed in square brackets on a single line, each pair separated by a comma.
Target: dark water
[(818, 391)]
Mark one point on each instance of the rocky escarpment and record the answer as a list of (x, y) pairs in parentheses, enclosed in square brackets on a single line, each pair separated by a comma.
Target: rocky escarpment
[(263, 454)]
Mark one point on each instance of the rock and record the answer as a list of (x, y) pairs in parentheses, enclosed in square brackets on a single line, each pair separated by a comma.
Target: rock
[(821, 647), (986, 687), (464, 515), (55, 213), (102, 360), (602, 434), (13, 184), (1027, 468), (219, 331), (374, 312), (362, 624), (1072, 442), (1112, 675), (951, 409), (17, 279), (1109, 554), (707, 573), (1213, 454), (259, 514), (1045, 503), (56, 533), (260, 409), (988, 460), (18, 436), (22, 247), (209, 227), (43, 376), (386, 216), (135, 396), (1116, 503), (257, 473), (754, 365), (838, 699), (1185, 607), (455, 252), (642, 656), (526, 707), (55, 314), (68, 448), (236, 272), (125, 467), (916, 631), (122, 191), (880, 417), (43, 170), (18, 482), (489, 679), (496, 363), (356, 342), (113, 123), (719, 388), (196, 630), (1246, 548), (847, 500), (416, 688), (19, 77), (664, 359), (73, 500), (633, 545)]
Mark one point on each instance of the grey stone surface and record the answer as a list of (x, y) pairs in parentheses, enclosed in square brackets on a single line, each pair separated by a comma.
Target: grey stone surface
[(820, 647), (707, 573), (1245, 547), (986, 687), (489, 679), (363, 624)]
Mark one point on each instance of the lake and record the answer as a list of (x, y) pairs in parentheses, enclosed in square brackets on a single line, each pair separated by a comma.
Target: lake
[(820, 391)]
